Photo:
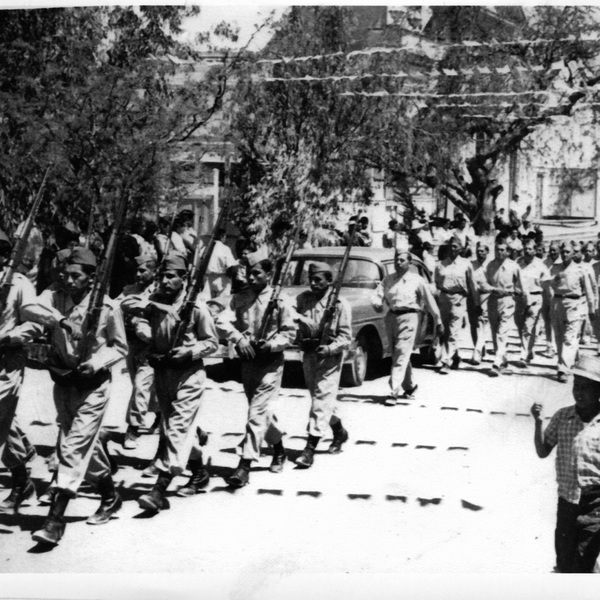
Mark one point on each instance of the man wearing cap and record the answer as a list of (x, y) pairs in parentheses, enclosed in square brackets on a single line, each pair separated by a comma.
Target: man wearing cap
[(406, 295), (322, 362), (142, 374), (261, 361), (15, 332), (588, 265), (534, 278), (566, 432), (81, 390), (453, 277), (179, 377), (478, 313), (573, 297), (504, 280)]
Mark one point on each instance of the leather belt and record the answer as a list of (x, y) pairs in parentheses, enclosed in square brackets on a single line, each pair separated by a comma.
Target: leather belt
[(403, 311), (568, 296)]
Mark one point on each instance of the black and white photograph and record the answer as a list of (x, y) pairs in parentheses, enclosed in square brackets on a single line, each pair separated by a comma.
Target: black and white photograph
[(299, 301)]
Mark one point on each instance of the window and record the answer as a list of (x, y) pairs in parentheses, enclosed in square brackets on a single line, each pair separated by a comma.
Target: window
[(359, 273)]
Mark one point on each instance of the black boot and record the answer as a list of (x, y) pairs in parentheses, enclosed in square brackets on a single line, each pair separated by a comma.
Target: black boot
[(241, 476), (110, 502), (199, 480), (340, 437), (279, 458), (156, 500), (22, 490), (54, 527), (306, 459)]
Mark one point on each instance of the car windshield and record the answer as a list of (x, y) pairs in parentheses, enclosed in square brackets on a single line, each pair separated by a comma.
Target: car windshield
[(359, 273)]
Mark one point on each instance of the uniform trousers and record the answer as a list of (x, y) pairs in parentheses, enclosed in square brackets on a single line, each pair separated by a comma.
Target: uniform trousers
[(501, 311), (479, 322), (547, 315), (143, 398), (453, 310), (567, 316), (322, 376), (527, 317), (179, 393), (261, 378), (79, 452), (17, 449), (402, 332)]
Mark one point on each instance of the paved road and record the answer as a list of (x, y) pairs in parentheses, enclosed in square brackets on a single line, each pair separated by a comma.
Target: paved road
[(448, 483)]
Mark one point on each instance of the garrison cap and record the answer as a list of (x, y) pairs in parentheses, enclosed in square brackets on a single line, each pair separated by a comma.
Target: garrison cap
[(319, 267), (255, 257), (82, 256), (144, 258), (588, 367), (174, 261)]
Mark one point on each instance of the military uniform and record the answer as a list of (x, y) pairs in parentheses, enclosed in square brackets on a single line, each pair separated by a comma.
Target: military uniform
[(505, 277), (322, 369), (572, 298), (478, 311), (454, 280), (534, 278), (15, 330), (406, 296)]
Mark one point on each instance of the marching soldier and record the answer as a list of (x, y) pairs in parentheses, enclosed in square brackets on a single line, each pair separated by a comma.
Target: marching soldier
[(142, 374), (573, 297), (15, 332), (453, 278), (406, 295), (179, 378), (534, 277), (262, 361), (552, 258), (81, 391), (504, 278), (478, 314), (322, 364)]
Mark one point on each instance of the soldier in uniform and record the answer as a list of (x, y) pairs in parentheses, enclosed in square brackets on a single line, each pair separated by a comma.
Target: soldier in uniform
[(552, 258), (504, 278), (262, 361), (81, 390), (534, 277), (573, 298), (322, 364), (478, 313), (141, 373), (15, 332), (406, 295), (453, 278), (179, 378)]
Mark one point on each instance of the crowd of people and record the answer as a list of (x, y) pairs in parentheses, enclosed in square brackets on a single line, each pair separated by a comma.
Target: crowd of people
[(528, 284)]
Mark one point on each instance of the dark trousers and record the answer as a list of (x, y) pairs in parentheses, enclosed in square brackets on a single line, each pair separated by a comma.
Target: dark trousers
[(565, 535), (588, 531)]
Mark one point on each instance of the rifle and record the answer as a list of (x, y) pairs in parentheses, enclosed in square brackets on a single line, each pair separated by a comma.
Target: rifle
[(101, 283), (329, 314), (273, 300), (20, 246), (170, 232)]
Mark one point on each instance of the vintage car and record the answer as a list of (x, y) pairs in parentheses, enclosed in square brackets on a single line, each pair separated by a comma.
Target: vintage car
[(366, 268)]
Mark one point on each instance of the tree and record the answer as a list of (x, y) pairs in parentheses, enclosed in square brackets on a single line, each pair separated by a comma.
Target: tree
[(89, 92), (294, 140)]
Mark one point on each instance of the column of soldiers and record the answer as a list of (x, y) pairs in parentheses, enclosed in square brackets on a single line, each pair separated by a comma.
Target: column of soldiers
[(141, 325)]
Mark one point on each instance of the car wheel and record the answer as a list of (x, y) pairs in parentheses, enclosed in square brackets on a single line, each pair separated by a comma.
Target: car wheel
[(354, 373)]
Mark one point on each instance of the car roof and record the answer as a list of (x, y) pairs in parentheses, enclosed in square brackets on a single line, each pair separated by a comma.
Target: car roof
[(377, 254)]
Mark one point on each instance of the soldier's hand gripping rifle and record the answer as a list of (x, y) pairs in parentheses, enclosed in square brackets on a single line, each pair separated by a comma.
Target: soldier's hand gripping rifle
[(327, 320), (263, 330), (18, 251), (89, 330)]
